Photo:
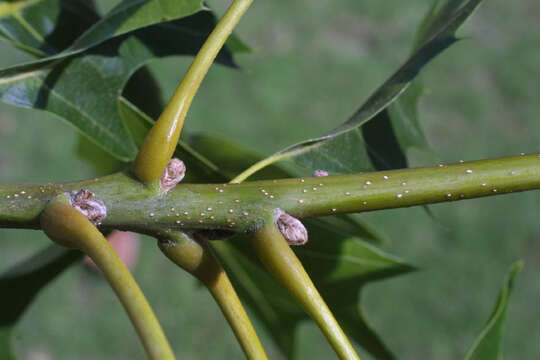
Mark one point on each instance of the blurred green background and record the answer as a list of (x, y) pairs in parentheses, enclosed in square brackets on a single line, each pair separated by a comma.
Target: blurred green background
[(314, 63)]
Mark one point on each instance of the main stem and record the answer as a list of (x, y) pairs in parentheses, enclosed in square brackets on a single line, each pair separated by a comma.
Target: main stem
[(236, 207), (162, 139)]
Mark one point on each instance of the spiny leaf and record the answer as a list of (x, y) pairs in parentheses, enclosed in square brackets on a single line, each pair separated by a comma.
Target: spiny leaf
[(83, 90), (344, 149), (487, 345), (38, 26)]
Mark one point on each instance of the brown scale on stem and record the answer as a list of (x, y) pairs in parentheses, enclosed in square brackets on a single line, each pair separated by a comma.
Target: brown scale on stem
[(291, 228), (173, 174), (93, 209)]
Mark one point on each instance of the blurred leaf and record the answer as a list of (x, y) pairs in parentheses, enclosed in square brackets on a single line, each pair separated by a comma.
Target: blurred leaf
[(487, 345), (344, 149), (339, 267), (38, 27), (84, 89), (20, 285), (5, 343)]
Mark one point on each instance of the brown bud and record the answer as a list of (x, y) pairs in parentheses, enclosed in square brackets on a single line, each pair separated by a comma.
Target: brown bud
[(93, 209), (291, 228), (173, 174), (320, 173)]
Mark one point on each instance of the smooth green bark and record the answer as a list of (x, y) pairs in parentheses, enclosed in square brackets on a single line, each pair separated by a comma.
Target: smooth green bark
[(237, 207)]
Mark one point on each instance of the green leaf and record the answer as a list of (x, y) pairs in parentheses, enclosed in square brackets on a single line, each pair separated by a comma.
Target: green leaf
[(131, 15), (21, 284), (128, 16), (344, 149), (38, 26), (83, 90), (334, 263), (404, 119), (5, 344), (487, 345)]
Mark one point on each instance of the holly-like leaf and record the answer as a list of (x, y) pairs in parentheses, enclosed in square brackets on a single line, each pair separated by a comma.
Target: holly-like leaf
[(83, 90), (21, 284), (38, 27), (345, 149), (487, 345)]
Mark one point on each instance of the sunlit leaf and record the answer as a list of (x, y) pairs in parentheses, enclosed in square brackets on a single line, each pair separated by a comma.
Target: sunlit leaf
[(83, 90), (487, 345), (38, 27)]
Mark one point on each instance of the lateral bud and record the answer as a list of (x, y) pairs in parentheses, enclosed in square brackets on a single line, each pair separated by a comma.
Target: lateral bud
[(94, 210), (174, 173), (291, 228)]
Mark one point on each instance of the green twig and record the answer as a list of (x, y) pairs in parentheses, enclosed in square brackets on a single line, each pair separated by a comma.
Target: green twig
[(161, 141), (67, 226), (131, 206), (197, 258)]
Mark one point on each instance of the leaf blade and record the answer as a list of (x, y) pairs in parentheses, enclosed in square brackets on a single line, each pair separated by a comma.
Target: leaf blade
[(487, 345), (329, 151), (83, 90)]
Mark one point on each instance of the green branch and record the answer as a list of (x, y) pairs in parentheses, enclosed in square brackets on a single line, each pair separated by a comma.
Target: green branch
[(68, 227), (132, 206)]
